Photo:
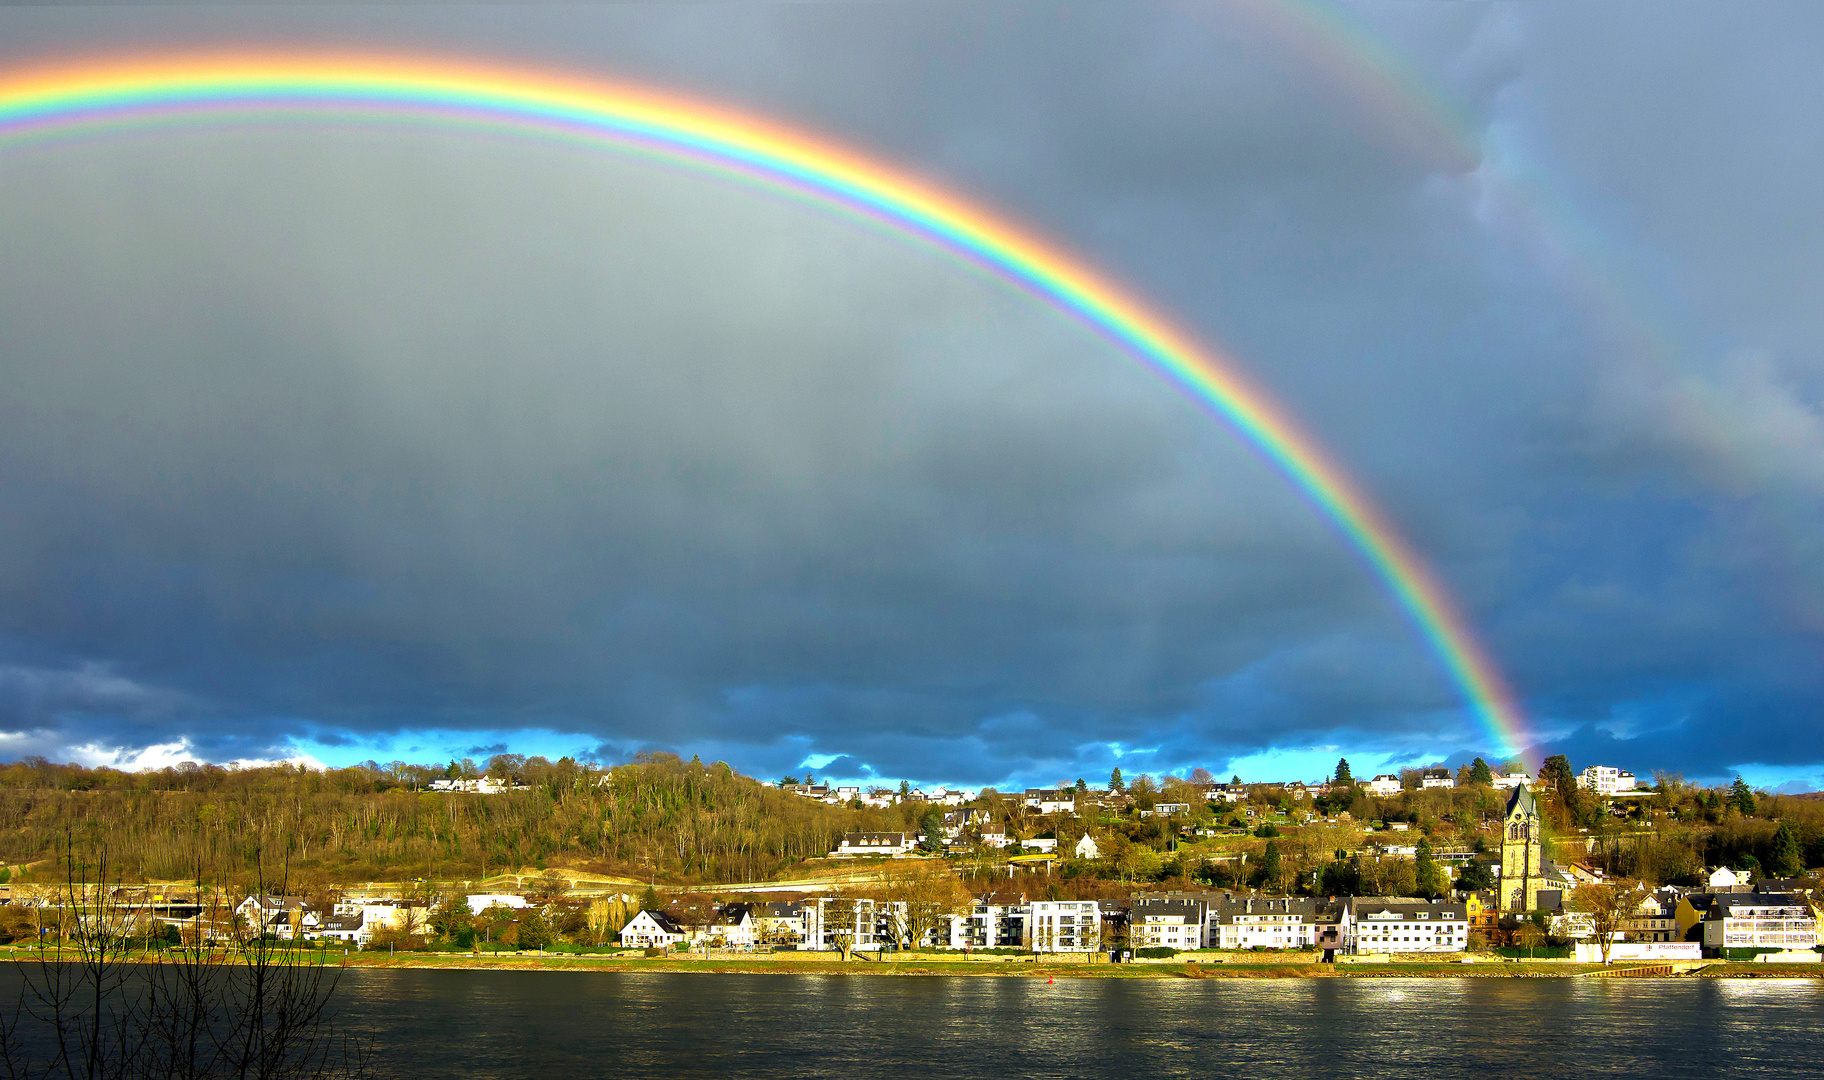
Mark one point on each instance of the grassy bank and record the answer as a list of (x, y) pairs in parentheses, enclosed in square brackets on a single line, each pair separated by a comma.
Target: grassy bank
[(1017, 967), (1027, 969)]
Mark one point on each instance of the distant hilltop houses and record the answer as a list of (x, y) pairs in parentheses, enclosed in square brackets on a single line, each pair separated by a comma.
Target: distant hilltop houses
[(876, 796), (1603, 780), (485, 785)]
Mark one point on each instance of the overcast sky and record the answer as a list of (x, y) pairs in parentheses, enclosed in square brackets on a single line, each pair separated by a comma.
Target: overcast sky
[(356, 443)]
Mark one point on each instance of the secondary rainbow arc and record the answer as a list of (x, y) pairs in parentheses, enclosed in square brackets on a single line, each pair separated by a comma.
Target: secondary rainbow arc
[(135, 94)]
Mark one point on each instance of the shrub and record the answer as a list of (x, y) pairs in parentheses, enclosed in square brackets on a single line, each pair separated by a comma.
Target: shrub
[(1161, 952)]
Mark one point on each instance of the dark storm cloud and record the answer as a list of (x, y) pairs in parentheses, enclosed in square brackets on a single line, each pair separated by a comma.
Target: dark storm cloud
[(344, 437)]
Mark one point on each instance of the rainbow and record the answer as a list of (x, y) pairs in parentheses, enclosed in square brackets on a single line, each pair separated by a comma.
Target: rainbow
[(77, 99)]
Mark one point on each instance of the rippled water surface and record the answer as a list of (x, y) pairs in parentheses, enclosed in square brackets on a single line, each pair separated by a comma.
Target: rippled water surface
[(431, 1025)]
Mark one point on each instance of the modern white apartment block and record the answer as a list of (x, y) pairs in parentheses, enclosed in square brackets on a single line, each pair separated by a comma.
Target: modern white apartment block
[(833, 922), (990, 926), (1604, 780), (1065, 926)]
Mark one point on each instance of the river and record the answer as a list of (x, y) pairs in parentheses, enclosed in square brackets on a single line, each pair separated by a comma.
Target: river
[(479, 1025)]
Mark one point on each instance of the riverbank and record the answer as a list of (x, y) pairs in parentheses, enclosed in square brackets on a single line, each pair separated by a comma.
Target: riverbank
[(1052, 970), (1023, 966)]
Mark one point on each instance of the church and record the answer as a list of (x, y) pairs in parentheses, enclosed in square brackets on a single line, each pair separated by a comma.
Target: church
[(1526, 870)]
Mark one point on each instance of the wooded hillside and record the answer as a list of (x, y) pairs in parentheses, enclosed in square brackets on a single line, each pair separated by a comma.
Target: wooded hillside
[(677, 821)]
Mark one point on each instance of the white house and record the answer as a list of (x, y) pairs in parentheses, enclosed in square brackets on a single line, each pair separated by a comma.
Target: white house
[(1166, 922), (651, 930), (1436, 778), (779, 923), (275, 915), (943, 796), (874, 843), (995, 838), (1512, 780), (480, 902), (348, 929), (1383, 785), (733, 927), (1065, 926), (384, 912), (1052, 800), (1256, 922), (1723, 879), (1381, 924), (1046, 844), (1086, 848)]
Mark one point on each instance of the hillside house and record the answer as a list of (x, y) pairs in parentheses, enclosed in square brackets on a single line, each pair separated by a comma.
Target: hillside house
[(857, 844)]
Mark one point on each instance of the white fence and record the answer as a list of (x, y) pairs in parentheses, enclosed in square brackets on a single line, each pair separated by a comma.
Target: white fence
[(1590, 953)]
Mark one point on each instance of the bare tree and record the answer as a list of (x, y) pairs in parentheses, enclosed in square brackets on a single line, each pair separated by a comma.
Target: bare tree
[(1608, 904), (920, 899), (1529, 937), (236, 1005), (839, 916)]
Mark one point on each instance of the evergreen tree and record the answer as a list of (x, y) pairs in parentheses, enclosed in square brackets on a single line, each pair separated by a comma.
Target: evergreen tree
[(1343, 778), (1270, 864), (1475, 877), (1567, 798), (534, 931), (1481, 774), (933, 828), (1556, 774), (1742, 797), (1784, 860), (450, 916), (1114, 780), (1082, 788), (1338, 878), (1428, 876)]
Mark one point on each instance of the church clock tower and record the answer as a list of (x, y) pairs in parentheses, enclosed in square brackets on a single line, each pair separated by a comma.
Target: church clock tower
[(1523, 868)]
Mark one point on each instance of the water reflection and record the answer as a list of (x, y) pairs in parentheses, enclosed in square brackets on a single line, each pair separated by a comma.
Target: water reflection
[(431, 1025)]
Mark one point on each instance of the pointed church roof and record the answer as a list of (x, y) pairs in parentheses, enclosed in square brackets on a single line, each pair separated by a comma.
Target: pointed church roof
[(1522, 799)]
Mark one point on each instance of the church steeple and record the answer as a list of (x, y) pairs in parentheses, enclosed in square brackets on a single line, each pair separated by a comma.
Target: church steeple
[(1523, 867)]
